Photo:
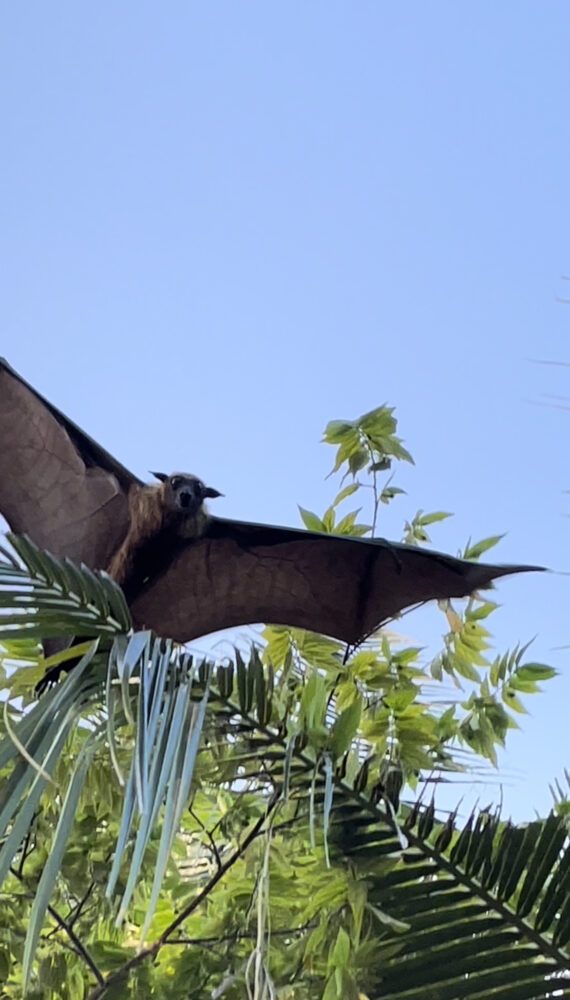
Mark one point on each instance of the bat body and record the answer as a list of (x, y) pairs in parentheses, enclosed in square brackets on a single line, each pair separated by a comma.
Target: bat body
[(160, 518), (186, 573)]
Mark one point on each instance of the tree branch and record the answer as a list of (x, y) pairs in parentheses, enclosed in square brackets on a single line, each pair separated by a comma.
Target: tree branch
[(78, 945), (241, 935), (153, 949)]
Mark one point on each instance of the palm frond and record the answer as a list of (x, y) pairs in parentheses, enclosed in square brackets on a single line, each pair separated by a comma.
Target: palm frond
[(41, 596), (160, 690), (486, 907)]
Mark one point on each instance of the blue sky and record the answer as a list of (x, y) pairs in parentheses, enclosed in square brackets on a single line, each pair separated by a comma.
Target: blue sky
[(224, 224)]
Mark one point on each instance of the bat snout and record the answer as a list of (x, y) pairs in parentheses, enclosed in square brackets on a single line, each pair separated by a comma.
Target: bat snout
[(188, 499)]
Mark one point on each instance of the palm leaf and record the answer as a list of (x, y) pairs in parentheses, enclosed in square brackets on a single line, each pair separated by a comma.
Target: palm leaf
[(487, 907), (43, 596)]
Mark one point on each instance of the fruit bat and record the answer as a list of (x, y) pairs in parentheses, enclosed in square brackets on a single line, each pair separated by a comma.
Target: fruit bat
[(184, 572)]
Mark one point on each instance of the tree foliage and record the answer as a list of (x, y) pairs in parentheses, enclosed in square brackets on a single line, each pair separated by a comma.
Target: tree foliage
[(265, 826)]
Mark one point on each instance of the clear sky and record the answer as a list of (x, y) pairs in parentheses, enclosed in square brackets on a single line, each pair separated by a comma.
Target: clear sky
[(224, 224)]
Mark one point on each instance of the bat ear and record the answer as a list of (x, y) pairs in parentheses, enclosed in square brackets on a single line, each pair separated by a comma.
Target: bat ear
[(209, 491), (160, 475)]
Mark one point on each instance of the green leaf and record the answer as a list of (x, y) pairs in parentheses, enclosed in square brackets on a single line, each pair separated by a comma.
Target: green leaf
[(345, 727), (313, 701), (109, 955), (510, 699), (400, 699), (525, 687), (382, 466), (331, 991), (466, 652), (400, 452), (437, 515), (388, 921), (347, 526), (337, 431), (329, 519), (535, 672), (483, 611), (315, 938), (379, 421), (341, 950), (310, 520), (476, 550), (389, 492), (347, 491), (53, 864), (465, 669), (4, 965), (357, 460)]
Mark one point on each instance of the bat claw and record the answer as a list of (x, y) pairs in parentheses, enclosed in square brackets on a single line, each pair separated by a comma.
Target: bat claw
[(48, 680)]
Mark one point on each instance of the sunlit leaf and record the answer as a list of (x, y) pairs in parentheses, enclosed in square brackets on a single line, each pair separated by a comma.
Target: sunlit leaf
[(345, 727), (477, 549), (310, 520)]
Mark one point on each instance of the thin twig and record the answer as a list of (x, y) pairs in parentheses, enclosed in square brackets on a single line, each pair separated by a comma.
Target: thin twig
[(241, 935), (152, 949), (375, 488), (25, 853), (79, 947), (210, 837), (76, 912)]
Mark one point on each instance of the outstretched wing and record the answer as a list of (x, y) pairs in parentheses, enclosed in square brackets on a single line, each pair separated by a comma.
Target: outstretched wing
[(56, 484), (69, 495), (243, 573)]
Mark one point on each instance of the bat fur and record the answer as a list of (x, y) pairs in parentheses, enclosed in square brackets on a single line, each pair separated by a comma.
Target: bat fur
[(160, 516), (154, 513)]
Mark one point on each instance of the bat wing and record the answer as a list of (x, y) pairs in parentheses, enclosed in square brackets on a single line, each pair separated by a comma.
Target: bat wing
[(56, 484), (69, 495), (243, 573)]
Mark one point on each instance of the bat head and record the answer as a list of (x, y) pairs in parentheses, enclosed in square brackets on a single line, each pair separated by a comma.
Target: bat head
[(184, 493)]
